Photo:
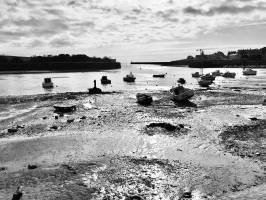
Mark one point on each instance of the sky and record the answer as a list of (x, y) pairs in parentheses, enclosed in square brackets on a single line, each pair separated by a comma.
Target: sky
[(130, 30)]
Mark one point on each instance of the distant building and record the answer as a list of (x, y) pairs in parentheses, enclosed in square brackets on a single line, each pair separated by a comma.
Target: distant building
[(252, 54)]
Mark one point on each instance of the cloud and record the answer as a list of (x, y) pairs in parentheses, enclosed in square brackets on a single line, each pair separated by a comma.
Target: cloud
[(92, 24), (61, 42), (223, 9)]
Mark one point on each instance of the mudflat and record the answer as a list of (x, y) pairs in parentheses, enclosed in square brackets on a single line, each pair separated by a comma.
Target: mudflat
[(212, 147)]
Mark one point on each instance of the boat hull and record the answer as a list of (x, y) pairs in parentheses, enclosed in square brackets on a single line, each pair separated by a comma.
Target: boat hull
[(205, 83), (252, 73), (187, 94), (105, 82), (47, 85), (158, 75), (129, 79)]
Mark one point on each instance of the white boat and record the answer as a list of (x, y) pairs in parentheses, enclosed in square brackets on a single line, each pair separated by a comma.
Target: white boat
[(129, 78), (249, 71), (47, 83), (181, 94)]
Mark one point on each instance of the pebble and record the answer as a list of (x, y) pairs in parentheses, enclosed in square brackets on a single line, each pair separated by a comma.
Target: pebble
[(32, 166), (12, 130)]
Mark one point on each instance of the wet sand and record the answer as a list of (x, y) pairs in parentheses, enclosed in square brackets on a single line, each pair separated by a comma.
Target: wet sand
[(217, 150)]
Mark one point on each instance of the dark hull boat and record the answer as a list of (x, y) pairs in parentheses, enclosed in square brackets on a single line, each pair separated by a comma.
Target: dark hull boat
[(180, 94), (196, 75), (47, 83), (158, 75), (229, 75), (105, 80), (205, 82), (129, 78), (249, 72)]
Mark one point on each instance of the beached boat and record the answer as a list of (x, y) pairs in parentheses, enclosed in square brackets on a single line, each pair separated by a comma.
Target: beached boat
[(181, 94), (249, 71), (129, 78), (64, 108), (105, 80), (217, 73), (196, 75), (204, 82), (47, 83), (144, 99), (229, 75), (208, 77), (158, 75)]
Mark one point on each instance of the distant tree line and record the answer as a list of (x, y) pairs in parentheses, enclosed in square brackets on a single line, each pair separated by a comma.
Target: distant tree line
[(56, 58)]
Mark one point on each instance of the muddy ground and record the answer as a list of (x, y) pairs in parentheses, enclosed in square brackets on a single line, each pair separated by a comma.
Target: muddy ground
[(112, 148)]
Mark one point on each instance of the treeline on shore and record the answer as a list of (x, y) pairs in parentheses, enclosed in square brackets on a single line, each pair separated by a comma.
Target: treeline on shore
[(61, 62)]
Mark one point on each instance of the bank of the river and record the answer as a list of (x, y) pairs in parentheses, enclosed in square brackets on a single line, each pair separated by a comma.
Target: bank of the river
[(105, 150)]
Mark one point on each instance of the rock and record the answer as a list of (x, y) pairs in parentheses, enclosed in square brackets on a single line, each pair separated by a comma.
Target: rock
[(54, 127), (3, 169), (135, 197), (20, 126), (181, 125), (44, 118), (144, 99), (83, 117), (70, 120), (167, 126), (264, 102), (181, 81), (56, 117), (18, 194), (186, 195), (69, 168), (12, 130), (32, 166), (253, 118)]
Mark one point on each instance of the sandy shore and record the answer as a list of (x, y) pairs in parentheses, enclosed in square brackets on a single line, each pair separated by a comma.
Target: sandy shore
[(105, 149)]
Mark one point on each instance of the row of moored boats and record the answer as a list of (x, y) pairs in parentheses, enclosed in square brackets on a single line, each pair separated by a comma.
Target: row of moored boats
[(205, 80)]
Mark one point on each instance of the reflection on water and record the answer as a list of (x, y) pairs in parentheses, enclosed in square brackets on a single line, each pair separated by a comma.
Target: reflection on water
[(14, 84)]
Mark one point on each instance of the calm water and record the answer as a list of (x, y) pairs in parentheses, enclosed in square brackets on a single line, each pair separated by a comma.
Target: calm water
[(26, 84)]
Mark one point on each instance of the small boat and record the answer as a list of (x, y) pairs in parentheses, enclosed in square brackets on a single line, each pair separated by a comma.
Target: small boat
[(64, 108), (129, 78), (249, 71), (158, 75), (229, 75), (196, 75), (217, 73), (105, 80), (181, 94), (204, 82), (208, 77), (47, 83)]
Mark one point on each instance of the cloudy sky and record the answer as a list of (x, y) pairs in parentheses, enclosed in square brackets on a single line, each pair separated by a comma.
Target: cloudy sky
[(149, 30)]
